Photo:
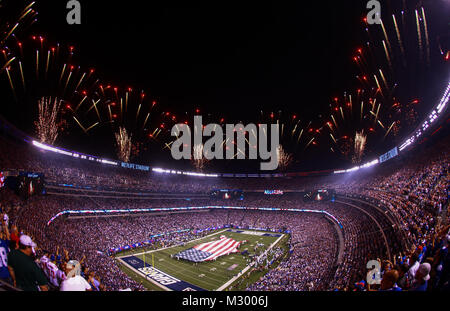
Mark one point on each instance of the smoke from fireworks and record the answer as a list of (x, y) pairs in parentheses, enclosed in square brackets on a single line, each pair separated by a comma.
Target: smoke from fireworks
[(47, 124), (360, 146), (124, 145)]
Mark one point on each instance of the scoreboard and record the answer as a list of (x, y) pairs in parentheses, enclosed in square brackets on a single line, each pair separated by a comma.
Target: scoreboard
[(225, 194), (320, 195)]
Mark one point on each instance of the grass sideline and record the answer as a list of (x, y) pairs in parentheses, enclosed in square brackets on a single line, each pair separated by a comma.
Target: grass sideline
[(207, 275)]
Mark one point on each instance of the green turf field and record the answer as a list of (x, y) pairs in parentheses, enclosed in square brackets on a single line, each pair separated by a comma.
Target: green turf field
[(207, 275)]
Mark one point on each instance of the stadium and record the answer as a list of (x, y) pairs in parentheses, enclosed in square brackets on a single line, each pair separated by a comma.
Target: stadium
[(358, 202)]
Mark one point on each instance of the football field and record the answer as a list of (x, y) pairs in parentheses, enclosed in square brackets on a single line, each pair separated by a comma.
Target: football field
[(161, 270)]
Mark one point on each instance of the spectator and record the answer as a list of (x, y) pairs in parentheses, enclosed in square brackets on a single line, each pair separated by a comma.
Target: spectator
[(4, 250), (389, 281), (74, 281), (51, 270), (413, 195), (402, 275), (25, 273), (421, 278), (413, 266)]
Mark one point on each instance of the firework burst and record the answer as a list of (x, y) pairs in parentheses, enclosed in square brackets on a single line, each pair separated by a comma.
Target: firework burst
[(42, 69), (48, 124), (296, 133), (198, 160), (138, 113), (11, 23), (360, 147), (285, 159), (393, 66), (124, 145)]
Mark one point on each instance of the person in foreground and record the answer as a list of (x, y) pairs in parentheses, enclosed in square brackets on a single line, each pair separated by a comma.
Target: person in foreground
[(24, 272), (74, 281)]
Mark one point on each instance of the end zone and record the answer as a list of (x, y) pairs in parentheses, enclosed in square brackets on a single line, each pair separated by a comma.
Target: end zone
[(158, 277)]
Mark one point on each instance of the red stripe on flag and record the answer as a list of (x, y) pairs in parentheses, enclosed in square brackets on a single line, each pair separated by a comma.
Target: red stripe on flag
[(207, 246), (203, 245), (221, 253), (218, 246), (221, 246), (229, 248)]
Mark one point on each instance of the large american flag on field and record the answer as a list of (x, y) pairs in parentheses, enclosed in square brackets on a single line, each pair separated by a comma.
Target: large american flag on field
[(210, 250)]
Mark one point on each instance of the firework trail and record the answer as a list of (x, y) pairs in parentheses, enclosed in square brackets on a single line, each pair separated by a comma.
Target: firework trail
[(372, 115), (296, 133), (140, 115), (389, 88), (42, 69), (284, 159), (198, 160), (419, 34), (34, 67), (360, 146), (48, 124), (11, 23), (124, 145), (427, 39), (399, 38)]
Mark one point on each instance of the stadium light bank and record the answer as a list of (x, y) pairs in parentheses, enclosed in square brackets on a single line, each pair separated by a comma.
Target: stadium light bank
[(73, 154)]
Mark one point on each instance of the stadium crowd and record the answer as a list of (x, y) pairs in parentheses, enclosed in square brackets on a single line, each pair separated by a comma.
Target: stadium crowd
[(73, 253)]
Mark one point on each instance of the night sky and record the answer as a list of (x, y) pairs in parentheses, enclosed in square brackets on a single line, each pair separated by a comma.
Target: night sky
[(229, 59)]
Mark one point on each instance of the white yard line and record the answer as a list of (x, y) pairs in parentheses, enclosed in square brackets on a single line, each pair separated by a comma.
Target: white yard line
[(221, 288)]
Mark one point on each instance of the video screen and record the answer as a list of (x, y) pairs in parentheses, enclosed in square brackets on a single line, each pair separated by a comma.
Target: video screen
[(228, 194), (320, 195)]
